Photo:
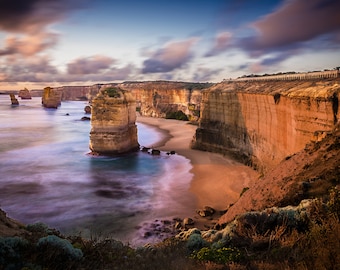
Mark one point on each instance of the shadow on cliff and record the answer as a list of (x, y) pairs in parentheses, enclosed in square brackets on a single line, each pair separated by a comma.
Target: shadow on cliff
[(222, 127)]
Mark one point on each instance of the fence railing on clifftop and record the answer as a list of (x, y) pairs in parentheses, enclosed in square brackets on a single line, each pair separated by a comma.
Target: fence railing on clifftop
[(328, 74)]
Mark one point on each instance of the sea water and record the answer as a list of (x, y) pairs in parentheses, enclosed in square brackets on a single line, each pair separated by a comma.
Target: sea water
[(46, 175)]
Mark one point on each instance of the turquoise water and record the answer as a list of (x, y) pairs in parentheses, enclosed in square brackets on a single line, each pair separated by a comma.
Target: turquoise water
[(47, 176)]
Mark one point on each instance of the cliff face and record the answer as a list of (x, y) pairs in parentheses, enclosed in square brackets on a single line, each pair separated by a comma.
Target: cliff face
[(156, 99), (263, 122), (79, 92), (113, 128)]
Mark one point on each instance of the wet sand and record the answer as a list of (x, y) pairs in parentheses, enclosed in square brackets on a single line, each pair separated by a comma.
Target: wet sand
[(217, 180)]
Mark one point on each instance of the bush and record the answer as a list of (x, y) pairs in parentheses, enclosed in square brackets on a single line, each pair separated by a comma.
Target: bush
[(195, 242), (113, 92), (57, 252), (220, 255), (179, 115), (11, 249)]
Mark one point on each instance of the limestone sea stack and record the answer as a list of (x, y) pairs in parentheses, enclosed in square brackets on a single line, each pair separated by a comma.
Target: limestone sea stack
[(51, 98), (113, 122), (25, 94), (14, 100)]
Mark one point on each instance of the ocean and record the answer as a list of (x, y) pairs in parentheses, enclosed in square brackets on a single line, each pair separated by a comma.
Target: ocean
[(46, 175)]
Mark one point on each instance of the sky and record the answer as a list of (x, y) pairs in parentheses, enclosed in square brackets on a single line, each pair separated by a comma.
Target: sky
[(84, 42)]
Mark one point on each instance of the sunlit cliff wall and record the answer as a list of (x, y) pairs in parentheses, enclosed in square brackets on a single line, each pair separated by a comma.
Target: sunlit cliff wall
[(79, 92), (157, 98), (261, 123)]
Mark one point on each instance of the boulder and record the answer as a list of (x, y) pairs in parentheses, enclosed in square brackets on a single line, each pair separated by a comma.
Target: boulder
[(155, 152), (87, 109), (207, 211)]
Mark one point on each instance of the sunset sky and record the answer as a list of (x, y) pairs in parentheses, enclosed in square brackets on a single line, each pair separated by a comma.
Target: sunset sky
[(83, 42)]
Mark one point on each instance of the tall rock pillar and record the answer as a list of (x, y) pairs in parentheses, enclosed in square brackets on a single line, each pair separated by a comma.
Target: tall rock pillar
[(51, 98), (113, 122)]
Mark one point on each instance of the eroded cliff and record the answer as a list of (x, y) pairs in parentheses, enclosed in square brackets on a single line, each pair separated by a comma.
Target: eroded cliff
[(158, 98), (261, 123)]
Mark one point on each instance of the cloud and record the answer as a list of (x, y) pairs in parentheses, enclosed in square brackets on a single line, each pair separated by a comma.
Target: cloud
[(205, 74), (39, 69), (27, 21), (30, 44), (294, 22), (30, 16), (172, 56), (221, 43), (15, 69), (90, 65)]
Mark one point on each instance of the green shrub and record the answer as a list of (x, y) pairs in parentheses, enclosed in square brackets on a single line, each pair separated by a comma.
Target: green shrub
[(195, 242), (57, 251), (218, 255), (179, 115), (113, 92), (11, 249)]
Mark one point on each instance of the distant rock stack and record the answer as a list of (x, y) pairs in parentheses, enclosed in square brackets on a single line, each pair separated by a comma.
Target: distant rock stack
[(113, 122), (25, 94), (13, 99), (51, 98)]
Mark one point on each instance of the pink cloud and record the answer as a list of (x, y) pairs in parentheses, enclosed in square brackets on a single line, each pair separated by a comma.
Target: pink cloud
[(90, 65), (172, 56), (30, 44), (297, 21), (221, 43)]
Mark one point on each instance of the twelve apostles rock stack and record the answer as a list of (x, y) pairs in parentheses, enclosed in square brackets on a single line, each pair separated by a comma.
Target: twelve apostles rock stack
[(113, 128), (51, 98)]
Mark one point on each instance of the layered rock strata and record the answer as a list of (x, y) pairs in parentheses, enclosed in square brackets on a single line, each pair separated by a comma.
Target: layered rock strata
[(51, 98), (263, 122), (158, 98), (113, 128)]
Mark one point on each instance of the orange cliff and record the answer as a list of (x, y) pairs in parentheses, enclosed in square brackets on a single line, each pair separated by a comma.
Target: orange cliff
[(262, 122)]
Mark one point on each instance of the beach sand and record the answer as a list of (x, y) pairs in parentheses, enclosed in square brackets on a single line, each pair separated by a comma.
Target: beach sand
[(217, 180)]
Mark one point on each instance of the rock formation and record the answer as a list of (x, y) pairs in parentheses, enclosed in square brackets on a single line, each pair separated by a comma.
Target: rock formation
[(14, 100), (25, 94), (158, 98), (153, 98), (263, 122), (113, 122), (51, 98)]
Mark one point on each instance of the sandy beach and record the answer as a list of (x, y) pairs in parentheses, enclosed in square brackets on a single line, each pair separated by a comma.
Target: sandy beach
[(218, 180)]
